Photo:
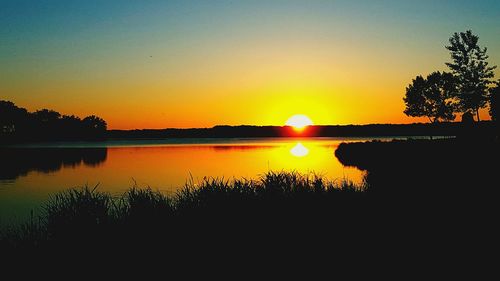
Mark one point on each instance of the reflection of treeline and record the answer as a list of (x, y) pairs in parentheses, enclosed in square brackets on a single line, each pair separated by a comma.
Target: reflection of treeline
[(15, 162), (19, 125), (484, 128)]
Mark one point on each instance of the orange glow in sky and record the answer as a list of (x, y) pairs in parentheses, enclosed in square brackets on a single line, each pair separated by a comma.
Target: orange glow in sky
[(186, 64)]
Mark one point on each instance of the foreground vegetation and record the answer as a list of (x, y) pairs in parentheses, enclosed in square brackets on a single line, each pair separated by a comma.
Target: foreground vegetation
[(87, 217), (415, 184), (419, 197)]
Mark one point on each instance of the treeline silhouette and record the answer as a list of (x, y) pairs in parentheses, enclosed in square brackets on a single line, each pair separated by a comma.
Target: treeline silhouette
[(16, 162), (469, 87), (19, 125), (483, 128)]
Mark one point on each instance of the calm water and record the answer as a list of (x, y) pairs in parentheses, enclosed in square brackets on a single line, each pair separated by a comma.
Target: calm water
[(29, 174)]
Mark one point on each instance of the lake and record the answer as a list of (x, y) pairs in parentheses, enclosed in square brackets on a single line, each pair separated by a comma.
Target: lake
[(30, 173)]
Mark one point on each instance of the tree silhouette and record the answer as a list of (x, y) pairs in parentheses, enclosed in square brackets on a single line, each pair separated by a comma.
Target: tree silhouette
[(12, 118), (46, 116), (94, 126), (471, 71), (494, 102), (467, 118), (18, 125), (431, 97)]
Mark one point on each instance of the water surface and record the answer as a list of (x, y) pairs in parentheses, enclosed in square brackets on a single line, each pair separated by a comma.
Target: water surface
[(30, 173)]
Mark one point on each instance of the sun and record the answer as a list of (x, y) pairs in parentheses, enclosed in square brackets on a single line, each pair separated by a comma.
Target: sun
[(299, 121)]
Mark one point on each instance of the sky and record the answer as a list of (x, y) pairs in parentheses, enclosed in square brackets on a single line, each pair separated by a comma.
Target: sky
[(158, 64)]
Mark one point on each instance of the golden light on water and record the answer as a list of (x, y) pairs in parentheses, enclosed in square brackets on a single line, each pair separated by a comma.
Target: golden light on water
[(299, 150), (167, 167)]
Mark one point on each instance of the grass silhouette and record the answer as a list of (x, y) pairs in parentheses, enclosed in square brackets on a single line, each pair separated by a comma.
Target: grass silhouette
[(275, 217), (88, 217)]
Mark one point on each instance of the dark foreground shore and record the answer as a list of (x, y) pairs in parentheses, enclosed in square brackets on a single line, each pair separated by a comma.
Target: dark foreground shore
[(426, 166), (419, 197)]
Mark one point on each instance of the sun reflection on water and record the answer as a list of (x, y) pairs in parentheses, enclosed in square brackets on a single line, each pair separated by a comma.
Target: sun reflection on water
[(165, 167), (299, 150)]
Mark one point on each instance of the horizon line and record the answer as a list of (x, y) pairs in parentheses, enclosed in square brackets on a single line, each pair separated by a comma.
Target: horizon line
[(285, 126)]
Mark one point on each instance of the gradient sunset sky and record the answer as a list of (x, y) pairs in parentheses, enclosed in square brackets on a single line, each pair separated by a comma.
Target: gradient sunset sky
[(157, 64)]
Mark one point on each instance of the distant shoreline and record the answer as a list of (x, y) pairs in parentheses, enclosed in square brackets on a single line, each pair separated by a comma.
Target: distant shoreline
[(444, 129), (371, 130)]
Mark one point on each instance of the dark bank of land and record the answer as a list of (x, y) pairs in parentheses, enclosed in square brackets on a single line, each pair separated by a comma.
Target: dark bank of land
[(441, 166), (451, 129), (483, 128)]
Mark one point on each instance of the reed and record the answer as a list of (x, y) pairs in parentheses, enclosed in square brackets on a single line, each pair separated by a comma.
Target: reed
[(88, 216)]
